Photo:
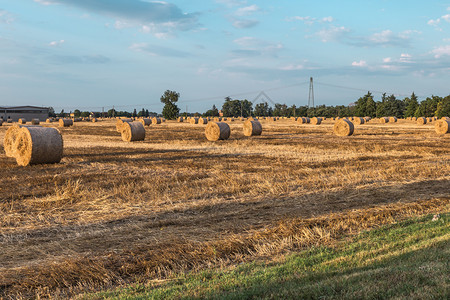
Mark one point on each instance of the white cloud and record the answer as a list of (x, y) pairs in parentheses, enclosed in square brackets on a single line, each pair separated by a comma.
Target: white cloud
[(327, 20), (332, 33), (6, 17), (155, 50), (446, 17), (405, 57), (434, 22), (245, 23), (441, 51), (45, 2), (56, 43), (387, 60), (292, 67), (248, 10), (310, 20), (361, 63)]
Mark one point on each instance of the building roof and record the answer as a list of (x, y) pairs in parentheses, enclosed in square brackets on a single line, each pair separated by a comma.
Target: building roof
[(23, 107)]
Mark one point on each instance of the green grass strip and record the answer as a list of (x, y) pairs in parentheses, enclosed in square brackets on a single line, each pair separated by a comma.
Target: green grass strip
[(408, 260)]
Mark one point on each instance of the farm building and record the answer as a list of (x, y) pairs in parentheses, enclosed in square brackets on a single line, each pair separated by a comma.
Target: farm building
[(26, 112)]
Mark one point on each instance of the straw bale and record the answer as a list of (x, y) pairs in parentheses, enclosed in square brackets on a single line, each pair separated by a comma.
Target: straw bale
[(65, 122), (358, 121), (94, 120), (442, 126), (430, 119), (180, 119), (343, 127), (22, 121), (252, 128), (217, 131), (133, 131), (316, 121), (302, 120), (145, 121), (35, 122), (421, 121), (217, 119), (252, 119), (120, 122), (384, 120), (308, 120), (392, 119), (156, 121), (1, 122), (445, 118), (203, 121), (224, 119), (9, 139), (36, 145), (48, 121), (193, 121), (9, 121)]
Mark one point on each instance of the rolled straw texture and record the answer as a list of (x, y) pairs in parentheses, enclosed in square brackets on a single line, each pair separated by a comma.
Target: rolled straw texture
[(442, 126), (217, 131), (316, 121), (358, 121), (421, 121), (133, 131), (252, 128), (38, 145), (65, 122), (343, 127)]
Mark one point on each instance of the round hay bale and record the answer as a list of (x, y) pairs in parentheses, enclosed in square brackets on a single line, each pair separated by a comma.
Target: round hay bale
[(65, 122), (156, 121), (252, 128), (393, 119), (9, 140), (316, 121), (22, 121), (430, 119), (193, 121), (203, 121), (445, 118), (252, 119), (421, 121), (9, 121), (224, 119), (132, 131), (1, 122), (308, 120), (217, 119), (343, 127), (94, 120), (38, 145), (180, 119), (358, 121), (217, 131), (35, 122), (48, 121), (384, 120), (302, 120), (145, 121), (442, 126), (120, 122)]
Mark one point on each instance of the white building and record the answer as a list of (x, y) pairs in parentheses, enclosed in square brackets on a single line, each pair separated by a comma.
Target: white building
[(25, 112)]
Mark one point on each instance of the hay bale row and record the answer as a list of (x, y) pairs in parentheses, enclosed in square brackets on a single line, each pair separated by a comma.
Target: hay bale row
[(132, 131), (145, 121), (120, 122), (343, 127), (421, 121), (33, 145), (156, 121)]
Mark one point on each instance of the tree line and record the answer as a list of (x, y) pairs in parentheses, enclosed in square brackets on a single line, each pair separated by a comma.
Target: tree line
[(365, 106)]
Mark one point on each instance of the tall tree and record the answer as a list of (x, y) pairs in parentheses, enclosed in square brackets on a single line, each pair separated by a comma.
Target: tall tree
[(443, 108), (170, 110), (411, 105)]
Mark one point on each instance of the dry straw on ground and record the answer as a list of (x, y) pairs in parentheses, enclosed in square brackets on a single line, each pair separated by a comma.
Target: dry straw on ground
[(252, 128), (132, 131), (217, 131), (421, 121), (316, 121), (343, 127), (442, 126), (65, 122), (34, 145)]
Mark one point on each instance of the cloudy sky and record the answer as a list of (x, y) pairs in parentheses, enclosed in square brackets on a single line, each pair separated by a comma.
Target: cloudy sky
[(90, 54)]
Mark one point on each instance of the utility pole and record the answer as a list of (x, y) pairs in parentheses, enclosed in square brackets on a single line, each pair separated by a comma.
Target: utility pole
[(311, 93)]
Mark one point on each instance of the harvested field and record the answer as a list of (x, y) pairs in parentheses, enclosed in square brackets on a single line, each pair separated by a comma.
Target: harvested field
[(107, 214)]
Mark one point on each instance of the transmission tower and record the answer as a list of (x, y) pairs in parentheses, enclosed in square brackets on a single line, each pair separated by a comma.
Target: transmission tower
[(311, 93)]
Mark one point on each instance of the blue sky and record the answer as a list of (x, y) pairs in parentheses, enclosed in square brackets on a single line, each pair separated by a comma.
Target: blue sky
[(90, 54)]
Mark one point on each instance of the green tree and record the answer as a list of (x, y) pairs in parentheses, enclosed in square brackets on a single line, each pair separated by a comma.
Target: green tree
[(443, 108), (170, 110), (262, 109), (77, 113), (361, 105), (411, 105), (213, 112), (61, 114), (428, 107), (371, 108), (51, 112), (234, 108), (134, 113), (85, 114)]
